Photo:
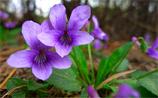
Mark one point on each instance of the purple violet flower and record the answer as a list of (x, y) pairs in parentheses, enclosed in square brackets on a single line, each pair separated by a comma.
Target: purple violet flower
[(97, 44), (153, 50), (98, 34), (147, 38), (135, 40), (3, 15), (38, 57), (10, 24), (125, 91), (92, 93), (63, 35)]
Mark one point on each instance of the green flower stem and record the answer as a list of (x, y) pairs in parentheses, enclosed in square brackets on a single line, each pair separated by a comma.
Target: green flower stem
[(90, 57), (91, 62)]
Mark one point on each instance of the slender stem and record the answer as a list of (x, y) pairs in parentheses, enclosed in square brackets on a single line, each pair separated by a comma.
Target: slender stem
[(147, 74), (90, 56), (91, 62), (12, 91), (3, 84), (115, 76)]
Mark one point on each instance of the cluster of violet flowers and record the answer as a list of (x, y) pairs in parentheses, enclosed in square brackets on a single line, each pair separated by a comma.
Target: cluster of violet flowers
[(56, 32)]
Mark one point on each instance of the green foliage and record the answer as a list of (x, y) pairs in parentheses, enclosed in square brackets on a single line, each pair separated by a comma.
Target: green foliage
[(143, 44), (84, 93), (14, 82), (33, 85), (150, 83), (80, 61), (65, 79), (146, 83), (19, 94), (8, 36), (24, 88), (110, 87), (144, 93), (123, 66), (110, 64)]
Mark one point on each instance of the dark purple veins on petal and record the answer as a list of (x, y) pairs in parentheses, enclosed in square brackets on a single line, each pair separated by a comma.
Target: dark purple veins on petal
[(41, 58), (65, 39)]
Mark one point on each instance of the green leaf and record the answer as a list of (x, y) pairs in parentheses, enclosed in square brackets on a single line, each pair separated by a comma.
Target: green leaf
[(137, 74), (33, 85), (80, 60), (14, 82), (1, 34), (84, 93), (110, 64), (123, 66), (19, 94), (65, 79), (42, 94), (14, 32), (144, 93), (143, 44), (110, 87), (150, 83)]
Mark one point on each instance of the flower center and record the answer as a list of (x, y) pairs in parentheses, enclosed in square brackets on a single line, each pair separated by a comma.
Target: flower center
[(65, 39), (41, 58)]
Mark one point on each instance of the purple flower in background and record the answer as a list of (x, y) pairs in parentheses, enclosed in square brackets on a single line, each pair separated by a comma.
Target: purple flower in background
[(98, 34), (97, 44), (38, 57), (63, 36), (92, 93), (136, 41), (125, 91), (147, 38), (153, 50), (3, 15), (10, 24)]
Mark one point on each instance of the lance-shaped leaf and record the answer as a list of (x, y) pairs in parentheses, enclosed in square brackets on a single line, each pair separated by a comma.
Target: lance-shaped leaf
[(110, 64), (80, 60)]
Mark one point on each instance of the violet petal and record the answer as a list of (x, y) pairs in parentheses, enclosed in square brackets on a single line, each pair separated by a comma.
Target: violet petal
[(49, 38), (82, 38), (152, 53), (63, 50), (95, 21), (59, 62), (21, 59), (92, 93), (43, 72), (97, 44), (79, 17), (125, 91), (30, 30), (58, 17), (46, 26)]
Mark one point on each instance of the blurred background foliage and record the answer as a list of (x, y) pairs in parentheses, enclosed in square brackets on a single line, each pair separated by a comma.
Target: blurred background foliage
[(120, 19)]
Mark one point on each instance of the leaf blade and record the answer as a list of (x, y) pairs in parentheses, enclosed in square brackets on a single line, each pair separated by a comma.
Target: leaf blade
[(112, 62)]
